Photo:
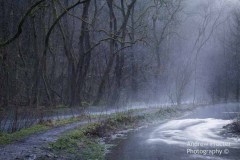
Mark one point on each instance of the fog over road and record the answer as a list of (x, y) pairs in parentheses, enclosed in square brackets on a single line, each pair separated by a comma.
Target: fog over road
[(198, 135)]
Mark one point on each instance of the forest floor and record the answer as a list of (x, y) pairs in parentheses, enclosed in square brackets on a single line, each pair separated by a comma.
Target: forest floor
[(50, 144)]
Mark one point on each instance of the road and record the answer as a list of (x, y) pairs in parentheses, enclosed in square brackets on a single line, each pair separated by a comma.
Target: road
[(34, 146), (197, 136)]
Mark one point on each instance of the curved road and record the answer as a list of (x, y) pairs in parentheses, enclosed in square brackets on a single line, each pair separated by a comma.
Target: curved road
[(198, 136)]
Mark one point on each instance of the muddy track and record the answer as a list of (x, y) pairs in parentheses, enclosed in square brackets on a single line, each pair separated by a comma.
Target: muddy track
[(35, 146)]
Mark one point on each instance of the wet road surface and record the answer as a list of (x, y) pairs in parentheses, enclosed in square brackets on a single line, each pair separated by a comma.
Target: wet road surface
[(197, 136)]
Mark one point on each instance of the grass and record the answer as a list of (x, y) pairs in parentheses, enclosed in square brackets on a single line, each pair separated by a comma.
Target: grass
[(66, 121), (113, 123), (84, 143), (166, 111), (61, 106), (80, 144), (7, 138)]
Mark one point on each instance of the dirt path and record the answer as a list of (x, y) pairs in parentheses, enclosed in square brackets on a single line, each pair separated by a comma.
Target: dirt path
[(33, 147)]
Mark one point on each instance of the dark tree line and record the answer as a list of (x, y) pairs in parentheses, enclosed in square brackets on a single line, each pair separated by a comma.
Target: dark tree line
[(82, 52), (225, 84)]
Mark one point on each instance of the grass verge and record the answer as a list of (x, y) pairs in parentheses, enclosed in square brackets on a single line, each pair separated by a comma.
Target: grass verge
[(7, 138), (85, 142), (79, 144)]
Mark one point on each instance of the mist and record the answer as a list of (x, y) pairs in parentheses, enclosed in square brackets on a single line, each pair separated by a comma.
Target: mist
[(167, 54), (97, 69)]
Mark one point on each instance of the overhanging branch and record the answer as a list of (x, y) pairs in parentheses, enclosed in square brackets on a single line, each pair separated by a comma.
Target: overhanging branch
[(19, 31)]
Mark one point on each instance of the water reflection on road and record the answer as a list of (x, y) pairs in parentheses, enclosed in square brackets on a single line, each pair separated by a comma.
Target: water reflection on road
[(196, 136), (178, 132)]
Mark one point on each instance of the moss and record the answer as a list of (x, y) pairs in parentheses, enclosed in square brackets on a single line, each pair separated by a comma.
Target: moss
[(6, 138)]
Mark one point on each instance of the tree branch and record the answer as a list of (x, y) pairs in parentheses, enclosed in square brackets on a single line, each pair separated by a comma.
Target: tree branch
[(19, 31)]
